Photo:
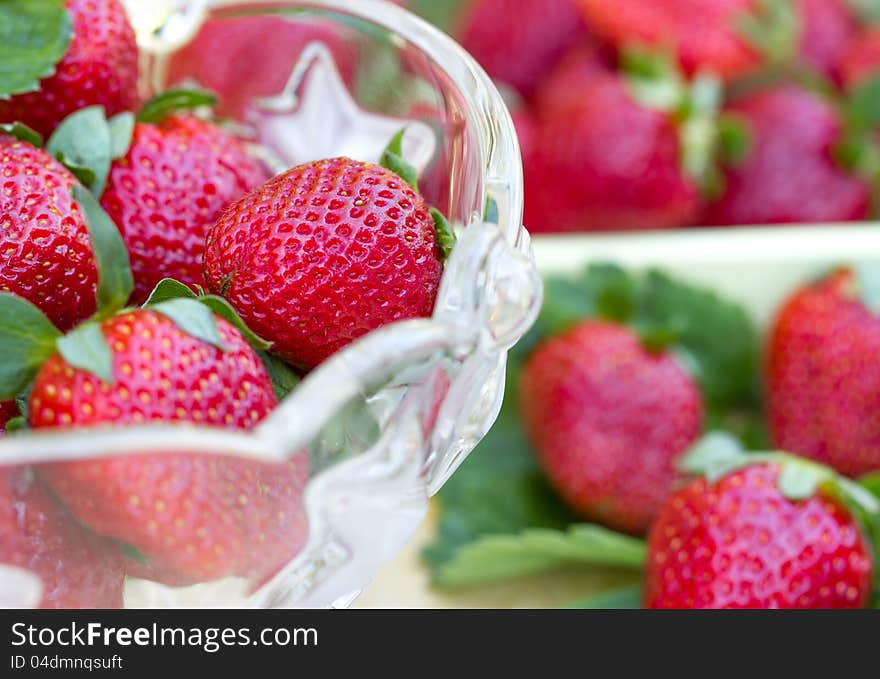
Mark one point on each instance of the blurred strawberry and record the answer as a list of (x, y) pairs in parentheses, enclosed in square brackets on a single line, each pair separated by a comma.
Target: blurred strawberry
[(8, 410), (99, 67), (566, 82), (77, 568), (608, 418), (519, 41), (602, 161), (861, 59), (827, 26), (789, 174), (258, 56), (823, 379)]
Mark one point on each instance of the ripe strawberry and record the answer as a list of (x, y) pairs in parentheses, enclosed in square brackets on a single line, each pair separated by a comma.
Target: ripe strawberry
[(259, 54), (702, 31), (608, 419), (100, 67), (861, 59), (324, 253), (789, 174), (605, 162), (518, 41), (8, 410), (742, 541), (77, 568), (709, 35), (45, 251), (168, 190), (823, 380), (566, 82), (193, 517)]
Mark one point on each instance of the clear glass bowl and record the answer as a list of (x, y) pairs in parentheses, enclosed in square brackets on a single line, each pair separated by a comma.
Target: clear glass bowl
[(382, 424)]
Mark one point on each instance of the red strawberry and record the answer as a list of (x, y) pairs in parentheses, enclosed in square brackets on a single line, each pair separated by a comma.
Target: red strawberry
[(708, 35), (702, 31), (45, 251), (608, 420), (826, 30), (740, 542), (324, 253), (193, 517), (823, 378), (861, 59), (604, 162), (518, 41), (169, 189), (77, 568), (259, 54), (100, 67), (8, 411), (566, 82), (789, 174)]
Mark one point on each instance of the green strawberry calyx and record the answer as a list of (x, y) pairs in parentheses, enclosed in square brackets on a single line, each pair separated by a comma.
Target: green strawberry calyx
[(867, 282), (166, 103), (34, 36), (392, 159), (22, 132)]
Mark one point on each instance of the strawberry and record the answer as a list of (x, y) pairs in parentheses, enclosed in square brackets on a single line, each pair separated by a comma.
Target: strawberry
[(608, 419), (789, 174), (324, 253), (603, 161), (518, 41), (861, 59), (823, 381), (566, 82), (77, 568), (99, 67), (45, 250), (763, 531), (728, 37), (259, 55), (192, 517), (8, 410), (168, 190)]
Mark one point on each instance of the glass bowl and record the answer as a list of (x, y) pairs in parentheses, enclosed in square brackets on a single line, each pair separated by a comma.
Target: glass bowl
[(382, 424)]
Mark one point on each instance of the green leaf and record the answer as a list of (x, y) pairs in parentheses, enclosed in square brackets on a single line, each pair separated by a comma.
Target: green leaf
[(115, 281), (773, 28), (23, 133), (194, 318), (86, 348), (121, 131), (735, 138), (620, 598), (284, 379), (868, 281), (18, 423), (501, 557), (713, 455), (34, 36), (654, 79), (871, 483), (225, 311), (445, 234), (82, 143), (392, 159), (27, 340), (162, 105), (167, 289)]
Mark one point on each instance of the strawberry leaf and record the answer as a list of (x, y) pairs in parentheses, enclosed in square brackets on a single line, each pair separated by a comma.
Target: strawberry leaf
[(162, 105), (392, 159), (34, 36), (444, 233), (86, 348), (121, 131), (83, 143), (621, 598), (734, 138), (18, 423), (713, 456), (223, 309), (115, 281), (167, 289), (27, 340), (773, 28), (501, 557), (654, 79), (284, 379), (194, 318), (23, 133)]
